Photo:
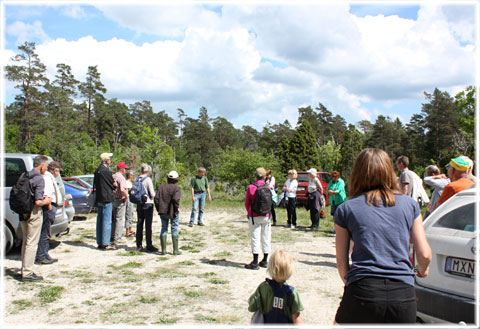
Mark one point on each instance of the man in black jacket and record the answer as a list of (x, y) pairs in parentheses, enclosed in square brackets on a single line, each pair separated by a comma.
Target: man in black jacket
[(104, 186)]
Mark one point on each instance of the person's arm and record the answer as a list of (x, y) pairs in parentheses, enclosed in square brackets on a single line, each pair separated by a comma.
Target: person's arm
[(405, 188), (209, 196), (45, 202), (319, 186), (123, 190), (423, 253), (176, 200), (297, 319), (342, 246), (436, 181)]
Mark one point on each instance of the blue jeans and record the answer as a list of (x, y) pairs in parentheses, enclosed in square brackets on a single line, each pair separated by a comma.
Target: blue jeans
[(174, 224), (199, 202), (104, 223), (44, 242)]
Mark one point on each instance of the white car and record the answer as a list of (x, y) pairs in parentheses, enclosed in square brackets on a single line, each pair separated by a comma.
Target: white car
[(448, 293)]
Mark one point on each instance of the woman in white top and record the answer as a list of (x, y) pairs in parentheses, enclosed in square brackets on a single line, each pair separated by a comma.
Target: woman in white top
[(271, 182), (290, 189)]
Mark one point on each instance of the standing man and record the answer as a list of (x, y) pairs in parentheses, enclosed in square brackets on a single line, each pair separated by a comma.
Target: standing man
[(406, 176), (104, 187), (167, 201), (31, 227), (119, 204), (200, 189), (52, 190), (458, 174)]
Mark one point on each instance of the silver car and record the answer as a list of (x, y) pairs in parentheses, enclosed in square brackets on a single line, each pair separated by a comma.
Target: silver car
[(447, 294), (15, 164)]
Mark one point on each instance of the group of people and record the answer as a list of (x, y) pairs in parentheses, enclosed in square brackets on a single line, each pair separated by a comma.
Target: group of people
[(373, 233)]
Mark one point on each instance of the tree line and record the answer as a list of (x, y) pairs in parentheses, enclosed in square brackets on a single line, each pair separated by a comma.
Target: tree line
[(73, 122)]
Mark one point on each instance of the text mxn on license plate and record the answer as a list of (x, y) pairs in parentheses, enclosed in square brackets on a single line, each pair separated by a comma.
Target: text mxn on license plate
[(461, 267)]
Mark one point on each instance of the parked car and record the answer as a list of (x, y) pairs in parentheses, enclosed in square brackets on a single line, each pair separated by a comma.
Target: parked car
[(88, 179), (77, 182), (447, 294), (15, 165), (79, 197), (302, 188), (69, 209)]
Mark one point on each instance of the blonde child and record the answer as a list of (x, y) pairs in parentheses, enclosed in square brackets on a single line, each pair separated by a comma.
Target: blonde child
[(275, 299)]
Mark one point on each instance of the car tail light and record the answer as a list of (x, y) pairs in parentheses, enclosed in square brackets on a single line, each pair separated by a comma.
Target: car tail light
[(65, 202)]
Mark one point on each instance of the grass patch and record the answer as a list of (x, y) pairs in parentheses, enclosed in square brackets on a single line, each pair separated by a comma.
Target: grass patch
[(88, 281), (67, 250), (127, 265), (82, 274), (161, 259), (88, 302), (218, 281), (166, 320), (55, 311), (22, 304), (132, 279), (192, 293), (203, 318), (206, 275), (130, 253), (223, 254), (186, 262), (166, 273), (147, 300), (50, 294)]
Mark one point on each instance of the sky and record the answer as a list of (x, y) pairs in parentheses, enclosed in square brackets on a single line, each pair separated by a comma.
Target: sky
[(256, 62)]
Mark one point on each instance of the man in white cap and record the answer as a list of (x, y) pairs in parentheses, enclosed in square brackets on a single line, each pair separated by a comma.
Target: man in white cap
[(167, 201), (104, 186)]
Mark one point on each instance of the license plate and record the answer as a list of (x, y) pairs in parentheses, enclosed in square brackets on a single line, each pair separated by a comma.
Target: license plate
[(460, 267), (301, 189)]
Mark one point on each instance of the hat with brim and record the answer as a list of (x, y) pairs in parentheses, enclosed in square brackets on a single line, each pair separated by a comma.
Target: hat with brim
[(105, 156), (173, 174), (312, 171), (459, 164), (122, 165)]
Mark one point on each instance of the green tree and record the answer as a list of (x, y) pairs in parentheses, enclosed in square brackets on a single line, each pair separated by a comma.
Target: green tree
[(93, 91), (352, 145), (225, 133), (28, 72), (329, 156), (464, 140), (303, 150)]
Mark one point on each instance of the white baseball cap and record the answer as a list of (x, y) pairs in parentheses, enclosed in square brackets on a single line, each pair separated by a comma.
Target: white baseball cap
[(173, 174)]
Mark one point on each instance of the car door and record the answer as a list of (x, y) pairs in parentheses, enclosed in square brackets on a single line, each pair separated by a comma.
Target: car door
[(451, 233)]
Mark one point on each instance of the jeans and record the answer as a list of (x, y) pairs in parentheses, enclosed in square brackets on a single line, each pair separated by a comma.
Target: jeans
[(144, 215), (291, 212), (174, 224), (199, 202), (44, 242), (118, 219), (104, 223)]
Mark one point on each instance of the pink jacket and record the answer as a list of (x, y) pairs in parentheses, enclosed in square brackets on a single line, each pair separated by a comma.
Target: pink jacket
[(250, 196)]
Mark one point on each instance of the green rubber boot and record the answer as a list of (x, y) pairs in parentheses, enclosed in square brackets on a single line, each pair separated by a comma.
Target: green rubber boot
[(175, 246), (163, 242)]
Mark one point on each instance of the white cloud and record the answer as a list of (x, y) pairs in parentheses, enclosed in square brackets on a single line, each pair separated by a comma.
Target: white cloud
[(27, 32), (74, 11)]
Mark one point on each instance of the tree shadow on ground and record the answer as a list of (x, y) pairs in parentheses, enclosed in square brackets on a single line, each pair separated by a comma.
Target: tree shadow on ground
[(318, 255), (222, 262), (322, 263)]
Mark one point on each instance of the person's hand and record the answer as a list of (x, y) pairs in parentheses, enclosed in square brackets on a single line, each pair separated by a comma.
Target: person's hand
[(424, 273), (115, 183), (193, 198), (48, 200), (209, 198)]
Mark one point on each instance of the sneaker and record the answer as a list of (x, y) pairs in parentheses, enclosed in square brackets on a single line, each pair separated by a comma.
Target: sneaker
[(32, 277), (43, 261), (139, 248), (101, 247), (201, 224), (152, 249), (252, 266), (52, 259), (190, 224), (263, 264), (288, 226), (110, 247), (293, 227)]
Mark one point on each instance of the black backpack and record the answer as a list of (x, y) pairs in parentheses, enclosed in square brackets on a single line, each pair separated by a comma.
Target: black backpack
[(21, 199), (262, 204)]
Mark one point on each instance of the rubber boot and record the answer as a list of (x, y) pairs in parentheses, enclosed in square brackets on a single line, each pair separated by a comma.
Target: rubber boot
[(163, 242), (175, 246)]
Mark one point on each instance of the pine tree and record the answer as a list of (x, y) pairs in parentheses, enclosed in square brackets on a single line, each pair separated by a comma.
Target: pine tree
[(303, 148)]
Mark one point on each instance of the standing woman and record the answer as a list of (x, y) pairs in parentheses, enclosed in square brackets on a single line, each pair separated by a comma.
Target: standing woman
[(315, 192), (379, 284), (271, 182), (290, 189), (129, 206), (145, 210), (336, 189)]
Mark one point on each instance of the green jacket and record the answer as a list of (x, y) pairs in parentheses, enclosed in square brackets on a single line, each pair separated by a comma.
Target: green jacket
[(339, 186)]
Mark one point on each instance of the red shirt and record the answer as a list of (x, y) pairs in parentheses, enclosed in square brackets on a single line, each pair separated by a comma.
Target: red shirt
[(453, 188)]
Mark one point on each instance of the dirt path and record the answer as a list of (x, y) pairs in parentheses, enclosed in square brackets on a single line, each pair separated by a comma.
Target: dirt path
[(207, 284)]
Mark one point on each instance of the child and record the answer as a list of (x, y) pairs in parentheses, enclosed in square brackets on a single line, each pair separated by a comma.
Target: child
[(276, 300)]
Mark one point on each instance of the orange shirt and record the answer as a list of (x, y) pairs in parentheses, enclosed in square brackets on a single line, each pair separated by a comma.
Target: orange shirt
[(453, 188)]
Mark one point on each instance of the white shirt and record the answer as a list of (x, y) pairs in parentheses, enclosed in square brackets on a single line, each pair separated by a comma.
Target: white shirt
[(51, 188), (313, 185), (293, 186)]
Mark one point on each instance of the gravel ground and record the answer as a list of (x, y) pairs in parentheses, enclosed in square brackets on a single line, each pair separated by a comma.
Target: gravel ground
[(207, 284)]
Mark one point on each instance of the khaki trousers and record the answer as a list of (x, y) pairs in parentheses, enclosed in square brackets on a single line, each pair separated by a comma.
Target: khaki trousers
[(31, 234)]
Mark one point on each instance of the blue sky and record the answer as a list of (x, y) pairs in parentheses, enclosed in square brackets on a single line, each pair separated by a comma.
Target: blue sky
[(257, 63)]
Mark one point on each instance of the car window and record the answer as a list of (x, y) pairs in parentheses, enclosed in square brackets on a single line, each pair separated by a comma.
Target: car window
[(13, 169), (462, 218), (302, 177), (325, 177)]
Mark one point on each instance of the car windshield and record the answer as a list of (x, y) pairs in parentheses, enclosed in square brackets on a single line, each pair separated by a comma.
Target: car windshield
[(462, 218), (302, 177), (87, 179)]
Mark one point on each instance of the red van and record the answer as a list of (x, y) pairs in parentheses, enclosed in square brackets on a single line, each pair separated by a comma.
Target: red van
[(302, 188)]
